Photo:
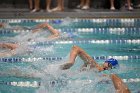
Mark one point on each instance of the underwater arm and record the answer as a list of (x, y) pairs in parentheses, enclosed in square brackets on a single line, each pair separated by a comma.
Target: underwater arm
[(7, 54), (10, 46), (1, 25), (119, 84)]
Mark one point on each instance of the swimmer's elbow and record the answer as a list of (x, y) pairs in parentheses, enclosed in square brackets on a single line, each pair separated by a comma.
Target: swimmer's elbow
[(56, 34)]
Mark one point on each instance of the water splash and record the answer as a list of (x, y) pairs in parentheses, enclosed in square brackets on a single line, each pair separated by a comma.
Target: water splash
[(70, 81), (67, 21)]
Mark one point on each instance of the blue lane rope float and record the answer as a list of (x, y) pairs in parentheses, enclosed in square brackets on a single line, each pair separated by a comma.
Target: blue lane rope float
[(17, 60), (36, 84)]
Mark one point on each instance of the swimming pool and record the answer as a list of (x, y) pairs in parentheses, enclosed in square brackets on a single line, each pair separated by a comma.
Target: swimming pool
[(101, 38)]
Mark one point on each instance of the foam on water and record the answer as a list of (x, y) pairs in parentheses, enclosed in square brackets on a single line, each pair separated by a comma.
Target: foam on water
[(69, 81), (17, 27), (67, 21)]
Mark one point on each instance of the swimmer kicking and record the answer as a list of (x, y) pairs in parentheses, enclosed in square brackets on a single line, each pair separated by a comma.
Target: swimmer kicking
[(89, 61)]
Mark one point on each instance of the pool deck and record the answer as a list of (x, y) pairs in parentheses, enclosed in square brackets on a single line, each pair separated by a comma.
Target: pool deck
[(74, 13)]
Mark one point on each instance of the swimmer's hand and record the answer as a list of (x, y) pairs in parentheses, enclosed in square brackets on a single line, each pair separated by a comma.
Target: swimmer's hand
[(66, 66)]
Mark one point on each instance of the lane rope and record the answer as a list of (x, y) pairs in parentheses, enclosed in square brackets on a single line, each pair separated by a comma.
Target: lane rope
[(36, 84), (34, 59)]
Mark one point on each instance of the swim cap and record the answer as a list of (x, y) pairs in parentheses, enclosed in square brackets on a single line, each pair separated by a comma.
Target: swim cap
[(113, 62), (58, 21)]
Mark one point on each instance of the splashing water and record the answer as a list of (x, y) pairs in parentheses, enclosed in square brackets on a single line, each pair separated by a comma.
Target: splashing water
[(67, 21), (69, 81)]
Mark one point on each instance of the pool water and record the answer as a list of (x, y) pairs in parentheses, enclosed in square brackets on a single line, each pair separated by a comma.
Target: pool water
[(38, 72)]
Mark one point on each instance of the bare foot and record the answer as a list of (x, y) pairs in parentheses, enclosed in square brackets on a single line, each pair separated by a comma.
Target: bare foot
[(85, 7), (35, 10), (79, 6), (66, 66), (112, 8), (48, 10), (57, 9), (130, 8)]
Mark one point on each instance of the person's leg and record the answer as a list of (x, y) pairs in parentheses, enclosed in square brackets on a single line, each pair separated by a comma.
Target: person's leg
[(30, 4), (59, 6), (81, 4), (62, 5), (37, 5), (129, 5), (119, 84), (112, 5), (48, 3), (86, 5)]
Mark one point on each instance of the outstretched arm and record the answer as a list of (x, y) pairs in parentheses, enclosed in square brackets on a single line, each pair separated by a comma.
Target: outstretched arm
[(10, 46), (55, 33), (119, 84), (1, 25), (77, 51)]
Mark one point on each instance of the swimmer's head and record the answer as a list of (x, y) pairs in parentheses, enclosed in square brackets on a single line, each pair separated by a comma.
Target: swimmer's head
[(110, 64)]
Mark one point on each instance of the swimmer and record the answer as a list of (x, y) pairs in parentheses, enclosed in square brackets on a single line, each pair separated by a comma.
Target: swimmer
[(89, 61), (14, 46), (11, 46), (54, 32)]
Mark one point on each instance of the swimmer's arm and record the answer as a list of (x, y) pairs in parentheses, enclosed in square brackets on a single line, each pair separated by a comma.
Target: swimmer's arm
[(9, 46), (43, 25), (94, 64), (7, 54), (119, 84), (1, 25), (55, 33), (36, 28), (53, 37)]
